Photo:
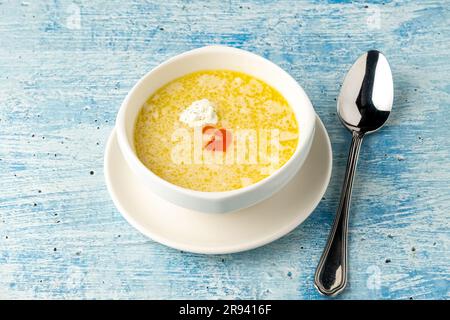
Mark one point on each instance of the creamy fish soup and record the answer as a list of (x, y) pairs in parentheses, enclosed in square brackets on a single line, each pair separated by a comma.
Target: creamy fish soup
[(215, 130)]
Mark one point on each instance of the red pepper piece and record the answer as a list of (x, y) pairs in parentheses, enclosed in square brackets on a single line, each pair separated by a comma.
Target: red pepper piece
[(220, 139)]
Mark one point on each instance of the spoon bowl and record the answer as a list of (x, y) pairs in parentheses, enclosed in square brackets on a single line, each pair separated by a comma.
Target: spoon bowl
[(367, 94)]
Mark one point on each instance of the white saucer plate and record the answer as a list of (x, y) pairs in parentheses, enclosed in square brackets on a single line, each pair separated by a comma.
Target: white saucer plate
[(220, 233)]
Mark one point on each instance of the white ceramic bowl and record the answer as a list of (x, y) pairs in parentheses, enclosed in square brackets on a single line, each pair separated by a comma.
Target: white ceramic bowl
[(207, 58)]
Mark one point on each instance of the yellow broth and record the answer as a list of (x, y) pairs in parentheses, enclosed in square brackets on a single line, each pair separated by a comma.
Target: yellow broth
[(241, 102)]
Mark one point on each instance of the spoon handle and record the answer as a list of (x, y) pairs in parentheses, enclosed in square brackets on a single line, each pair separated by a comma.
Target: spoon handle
[(331, 274)]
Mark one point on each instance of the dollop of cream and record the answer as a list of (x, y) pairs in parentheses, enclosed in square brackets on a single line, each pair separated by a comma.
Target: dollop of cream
[(199, 113)]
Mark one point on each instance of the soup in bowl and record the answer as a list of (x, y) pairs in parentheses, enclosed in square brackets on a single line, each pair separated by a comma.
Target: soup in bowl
[(216, 129)]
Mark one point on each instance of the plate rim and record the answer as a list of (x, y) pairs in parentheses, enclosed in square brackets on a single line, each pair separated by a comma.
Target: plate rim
[(249, 245)]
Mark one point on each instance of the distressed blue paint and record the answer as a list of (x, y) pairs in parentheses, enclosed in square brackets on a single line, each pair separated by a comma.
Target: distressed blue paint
[(60, 89)]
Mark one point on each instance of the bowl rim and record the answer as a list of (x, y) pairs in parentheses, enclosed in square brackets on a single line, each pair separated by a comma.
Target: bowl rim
[(129, 154)]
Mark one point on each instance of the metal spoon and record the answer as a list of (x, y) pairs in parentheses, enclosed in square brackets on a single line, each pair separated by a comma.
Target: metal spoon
[(364, 105)]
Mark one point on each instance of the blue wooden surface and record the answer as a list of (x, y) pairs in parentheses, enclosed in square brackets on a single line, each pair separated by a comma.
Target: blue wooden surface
[(65, 68)]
